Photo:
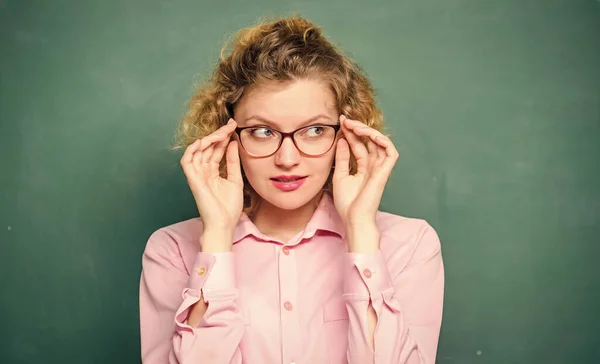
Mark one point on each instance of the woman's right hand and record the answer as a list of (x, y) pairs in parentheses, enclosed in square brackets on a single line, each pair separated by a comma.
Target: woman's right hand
[(219, 200)]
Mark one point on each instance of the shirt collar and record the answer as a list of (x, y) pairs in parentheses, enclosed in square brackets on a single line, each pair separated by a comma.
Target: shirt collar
[(325, 218)]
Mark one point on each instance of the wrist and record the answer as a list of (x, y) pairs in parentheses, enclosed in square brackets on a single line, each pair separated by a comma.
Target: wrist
[(363, 238), (356, 221), (216, 241)]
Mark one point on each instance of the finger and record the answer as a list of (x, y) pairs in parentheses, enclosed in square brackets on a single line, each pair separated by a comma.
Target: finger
[(381, 154), (389, 157), (342, 119), (216, 138), (351, 124), (358, 149), (197, 159), (376, 136), (186, 158), (219, 134), (207, 146), (218, 151), (372, 152), (367, 131), (381, 140), (363, 130), (210, 139), (234, 169), (342, 159), (207, 153), (388, 145)]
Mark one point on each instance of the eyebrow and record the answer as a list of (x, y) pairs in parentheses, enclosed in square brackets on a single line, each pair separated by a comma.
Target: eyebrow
[(274, 124)]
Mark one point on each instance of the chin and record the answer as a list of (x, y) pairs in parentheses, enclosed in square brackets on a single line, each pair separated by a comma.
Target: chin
[(288, 203)]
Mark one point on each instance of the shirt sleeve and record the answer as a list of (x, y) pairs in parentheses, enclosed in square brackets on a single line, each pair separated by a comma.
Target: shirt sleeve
[(167, 293), (408, 304)]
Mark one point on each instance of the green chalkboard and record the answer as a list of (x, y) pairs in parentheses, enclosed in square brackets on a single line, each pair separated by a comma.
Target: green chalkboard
[(494, 106)]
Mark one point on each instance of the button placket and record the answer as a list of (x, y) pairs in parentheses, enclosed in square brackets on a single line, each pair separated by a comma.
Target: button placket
[(290, 339)]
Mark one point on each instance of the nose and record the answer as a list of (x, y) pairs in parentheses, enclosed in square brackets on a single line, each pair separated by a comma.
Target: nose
[(288, 155)]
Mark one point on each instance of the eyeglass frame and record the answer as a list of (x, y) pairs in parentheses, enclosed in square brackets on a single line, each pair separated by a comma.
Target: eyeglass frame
[(238, 132)]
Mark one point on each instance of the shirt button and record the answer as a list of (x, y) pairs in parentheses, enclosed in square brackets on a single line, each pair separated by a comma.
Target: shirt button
[(367, 273), (288, 306), (286, 250), (201, 271)]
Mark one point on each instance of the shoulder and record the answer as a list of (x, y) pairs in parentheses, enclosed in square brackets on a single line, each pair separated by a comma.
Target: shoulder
[(406, 241), (176, 241)]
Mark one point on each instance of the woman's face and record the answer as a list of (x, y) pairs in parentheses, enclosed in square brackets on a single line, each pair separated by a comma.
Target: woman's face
[(286, 107)]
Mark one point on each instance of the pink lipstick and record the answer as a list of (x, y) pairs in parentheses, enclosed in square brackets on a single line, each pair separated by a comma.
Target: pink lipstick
[(288, 183)]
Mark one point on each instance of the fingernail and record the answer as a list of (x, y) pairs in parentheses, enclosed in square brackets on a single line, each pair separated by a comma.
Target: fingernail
[(230, 121)]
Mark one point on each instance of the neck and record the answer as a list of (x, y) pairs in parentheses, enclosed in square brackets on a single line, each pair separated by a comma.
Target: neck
[(284, 224)]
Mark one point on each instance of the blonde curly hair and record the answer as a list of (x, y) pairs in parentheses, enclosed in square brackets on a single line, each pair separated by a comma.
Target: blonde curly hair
[(282, 50)]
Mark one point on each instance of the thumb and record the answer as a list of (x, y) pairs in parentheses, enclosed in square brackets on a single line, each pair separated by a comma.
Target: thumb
[(234, 170), (342, 159)]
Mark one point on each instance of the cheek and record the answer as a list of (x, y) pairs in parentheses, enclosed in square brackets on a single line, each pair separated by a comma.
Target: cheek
[(330, 156), (324, 164), (246, 164), (253, 168)]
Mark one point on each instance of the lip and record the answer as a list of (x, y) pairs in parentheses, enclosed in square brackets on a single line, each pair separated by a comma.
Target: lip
[(287, 177), (288, 186)]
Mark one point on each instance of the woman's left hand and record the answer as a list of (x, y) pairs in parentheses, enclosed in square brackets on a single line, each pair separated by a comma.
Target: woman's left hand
[(357, 196)]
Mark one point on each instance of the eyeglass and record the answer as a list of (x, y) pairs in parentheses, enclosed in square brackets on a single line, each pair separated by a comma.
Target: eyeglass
[(263, 141)]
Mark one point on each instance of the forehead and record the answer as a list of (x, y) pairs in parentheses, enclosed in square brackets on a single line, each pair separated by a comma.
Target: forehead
[(287, 104)]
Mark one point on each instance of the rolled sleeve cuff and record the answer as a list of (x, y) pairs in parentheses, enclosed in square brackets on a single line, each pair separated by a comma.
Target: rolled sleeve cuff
[(366, 274)]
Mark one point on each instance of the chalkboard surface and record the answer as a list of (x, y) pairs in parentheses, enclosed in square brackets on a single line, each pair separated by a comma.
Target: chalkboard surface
[(494, 106)]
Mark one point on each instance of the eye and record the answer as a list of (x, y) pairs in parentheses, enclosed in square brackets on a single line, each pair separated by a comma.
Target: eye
[(313, 131), (261, 132)]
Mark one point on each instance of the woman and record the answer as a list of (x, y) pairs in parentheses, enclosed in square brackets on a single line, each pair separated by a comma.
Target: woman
[(290, 260)]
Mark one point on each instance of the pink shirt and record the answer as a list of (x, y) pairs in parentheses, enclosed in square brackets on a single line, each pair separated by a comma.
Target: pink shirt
[(303, 301)]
